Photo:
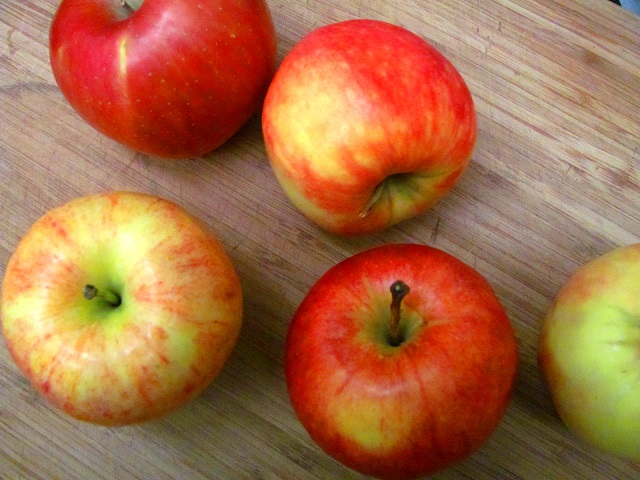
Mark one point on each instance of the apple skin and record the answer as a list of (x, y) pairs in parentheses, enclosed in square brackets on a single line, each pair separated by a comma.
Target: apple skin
[(398, 412), (588, 352), (178, 321), (366, 125), (176, 78)]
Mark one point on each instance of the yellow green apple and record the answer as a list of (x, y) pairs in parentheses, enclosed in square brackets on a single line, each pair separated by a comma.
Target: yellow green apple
[(589, 352)]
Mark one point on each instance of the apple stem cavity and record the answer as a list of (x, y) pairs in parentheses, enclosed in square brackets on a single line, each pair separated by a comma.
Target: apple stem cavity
[(399, 290), (90, 292)]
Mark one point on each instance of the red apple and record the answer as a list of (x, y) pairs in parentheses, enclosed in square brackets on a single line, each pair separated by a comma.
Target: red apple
[(403, 383), (366, 125), (173, 78), (120, 307)]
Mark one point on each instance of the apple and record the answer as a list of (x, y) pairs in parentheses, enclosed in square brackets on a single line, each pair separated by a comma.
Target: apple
[(172, 78), (120, 307), (589, 348), (366, 125), (400, 361)]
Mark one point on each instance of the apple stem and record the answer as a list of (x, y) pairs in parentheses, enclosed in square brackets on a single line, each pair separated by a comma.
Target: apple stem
[(399, 290), (377, 193), (90, 292), (130, 5)]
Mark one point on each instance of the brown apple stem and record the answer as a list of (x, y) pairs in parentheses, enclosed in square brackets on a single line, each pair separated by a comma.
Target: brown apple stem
[(130, 5), (90, 292), (399, 290), (377, 193)]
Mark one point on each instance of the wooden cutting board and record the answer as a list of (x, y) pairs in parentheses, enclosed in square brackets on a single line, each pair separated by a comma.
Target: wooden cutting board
[(554, 182)]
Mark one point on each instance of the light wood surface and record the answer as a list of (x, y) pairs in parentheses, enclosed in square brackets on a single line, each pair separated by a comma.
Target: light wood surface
[(554, 182)]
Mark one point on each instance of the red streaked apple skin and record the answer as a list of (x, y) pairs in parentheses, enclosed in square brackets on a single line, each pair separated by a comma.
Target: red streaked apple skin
[(176, 78), (358, 102), (178, 322), (400, 412), (589, 349)]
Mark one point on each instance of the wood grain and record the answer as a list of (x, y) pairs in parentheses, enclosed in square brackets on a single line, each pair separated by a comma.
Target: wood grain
[(554, 182)]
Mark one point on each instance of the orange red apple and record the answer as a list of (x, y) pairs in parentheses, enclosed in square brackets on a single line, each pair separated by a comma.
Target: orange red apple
[(400, 361), (366, 124)]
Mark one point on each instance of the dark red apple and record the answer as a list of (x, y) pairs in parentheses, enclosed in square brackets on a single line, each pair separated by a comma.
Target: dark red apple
[(173, 78)]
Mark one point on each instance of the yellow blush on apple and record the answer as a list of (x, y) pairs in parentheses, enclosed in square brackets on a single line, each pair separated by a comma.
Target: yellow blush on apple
[(120, 307)]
